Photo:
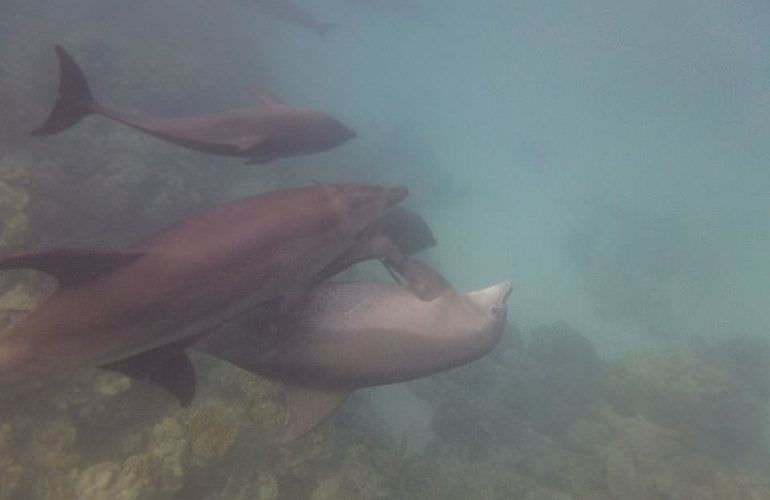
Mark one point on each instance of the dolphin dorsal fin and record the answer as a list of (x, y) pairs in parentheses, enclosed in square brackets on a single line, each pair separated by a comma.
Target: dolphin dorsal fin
[(306, 408), (71, 266)]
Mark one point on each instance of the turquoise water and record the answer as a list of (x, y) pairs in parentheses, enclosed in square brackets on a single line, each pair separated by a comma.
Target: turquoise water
[(609, 158)]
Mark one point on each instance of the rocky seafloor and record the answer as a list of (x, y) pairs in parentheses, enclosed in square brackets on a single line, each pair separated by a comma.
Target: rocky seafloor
[(543, 419)]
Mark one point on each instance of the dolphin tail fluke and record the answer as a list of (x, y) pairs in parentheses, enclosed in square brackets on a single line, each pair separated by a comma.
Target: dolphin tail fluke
[(74, 101), (323, 29)]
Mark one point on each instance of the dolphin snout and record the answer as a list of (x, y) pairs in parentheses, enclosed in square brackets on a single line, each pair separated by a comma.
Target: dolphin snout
[(493, 298), (504, 289)]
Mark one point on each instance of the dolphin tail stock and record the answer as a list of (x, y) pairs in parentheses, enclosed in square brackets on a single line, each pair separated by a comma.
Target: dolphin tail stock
[(75, 100), (323, 29)]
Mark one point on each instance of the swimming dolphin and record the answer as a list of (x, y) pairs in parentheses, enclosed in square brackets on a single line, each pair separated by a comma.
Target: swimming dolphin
[(262, 134), (184, 281), (350, 335), (391, 238), (287, 10)]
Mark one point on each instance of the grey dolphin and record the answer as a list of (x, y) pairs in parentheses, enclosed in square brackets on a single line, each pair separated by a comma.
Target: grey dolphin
[(184, 281), (347, 336), (262, 134), (287, 10), (392, 237)]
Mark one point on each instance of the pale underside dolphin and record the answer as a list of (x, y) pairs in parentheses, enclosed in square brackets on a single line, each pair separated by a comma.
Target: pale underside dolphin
[(290, 12), (261, 134), (185, 281), (349, 335)]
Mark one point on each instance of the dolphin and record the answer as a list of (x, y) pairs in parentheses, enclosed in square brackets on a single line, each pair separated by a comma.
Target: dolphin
[(350, 335), (262, 134), (290, 12), (391, 238), (184, 281)]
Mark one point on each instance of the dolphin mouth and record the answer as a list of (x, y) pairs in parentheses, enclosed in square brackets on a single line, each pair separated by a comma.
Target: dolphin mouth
[(493, 298), (505, 291)]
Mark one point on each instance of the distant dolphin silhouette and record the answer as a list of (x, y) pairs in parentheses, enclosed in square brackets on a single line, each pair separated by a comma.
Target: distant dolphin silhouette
[(183, 282), (347, 336), (261, 134), (287, 10)]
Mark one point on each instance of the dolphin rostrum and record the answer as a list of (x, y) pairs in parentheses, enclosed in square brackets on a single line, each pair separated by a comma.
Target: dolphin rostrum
[(349, 335), (262, 134), (186, 280)]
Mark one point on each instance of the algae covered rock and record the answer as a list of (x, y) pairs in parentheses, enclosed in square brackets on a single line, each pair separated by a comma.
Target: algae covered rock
[(110, 481), (565, 377), (686, 391), (52, 445), (645, 460), (211, 430), (11, 473)]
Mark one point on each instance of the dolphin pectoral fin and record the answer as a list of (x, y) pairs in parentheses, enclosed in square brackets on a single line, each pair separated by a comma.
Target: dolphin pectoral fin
[(71, 266), (167, 367), (306, 408), (423, 280)]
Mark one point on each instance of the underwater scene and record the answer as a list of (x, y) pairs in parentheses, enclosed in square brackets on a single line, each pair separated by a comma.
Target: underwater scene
[(384, 249)]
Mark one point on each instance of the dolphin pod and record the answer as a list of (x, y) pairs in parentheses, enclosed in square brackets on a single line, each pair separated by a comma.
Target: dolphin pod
[(249, 281), (262, 134), (186, 280)]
